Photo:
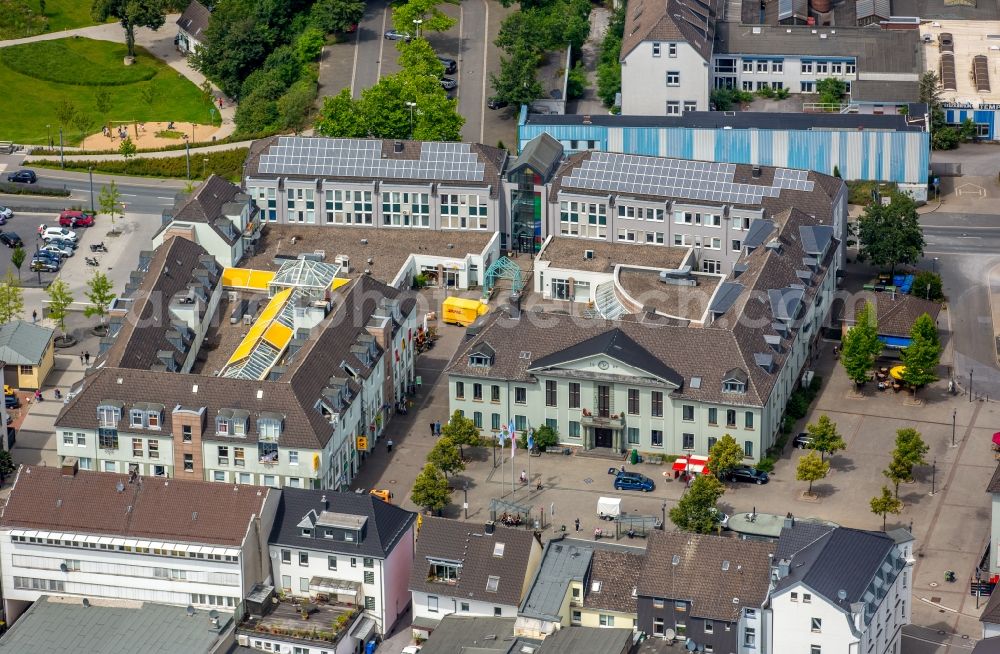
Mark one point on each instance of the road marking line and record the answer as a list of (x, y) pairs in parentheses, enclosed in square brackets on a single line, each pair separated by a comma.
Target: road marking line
[(486, 48), (357, 46), (160, 197), (129, 195), (381, 46)]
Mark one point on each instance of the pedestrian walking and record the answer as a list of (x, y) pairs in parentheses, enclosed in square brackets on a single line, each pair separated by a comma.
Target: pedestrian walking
[(34, 315), (81, 358), (577, 524), (433, 431), (437, 427), (86, 358), (388, 446)]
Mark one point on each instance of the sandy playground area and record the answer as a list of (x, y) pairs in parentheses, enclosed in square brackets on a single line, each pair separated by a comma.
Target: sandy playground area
[(149, 135)]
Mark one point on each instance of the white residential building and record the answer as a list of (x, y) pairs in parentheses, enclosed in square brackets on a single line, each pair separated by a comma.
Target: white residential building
[(469, 570), (836, 590), (114, 536), (355, 549)]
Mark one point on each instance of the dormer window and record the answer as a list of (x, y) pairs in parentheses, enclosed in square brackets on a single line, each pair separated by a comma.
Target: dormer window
[(222, 425), (137, 418), (307, 533), (153, 419), (480, 360), (269, 426), (109, 413), (732, 386)]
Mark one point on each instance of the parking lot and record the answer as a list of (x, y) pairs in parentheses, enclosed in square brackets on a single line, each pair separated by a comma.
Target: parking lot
[(366, 56)]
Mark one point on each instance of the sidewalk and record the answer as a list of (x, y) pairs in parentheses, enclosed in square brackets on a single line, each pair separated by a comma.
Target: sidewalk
[(160, 43)]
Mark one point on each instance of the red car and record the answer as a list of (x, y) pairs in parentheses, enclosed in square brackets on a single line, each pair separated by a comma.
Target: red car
[(73, 219)]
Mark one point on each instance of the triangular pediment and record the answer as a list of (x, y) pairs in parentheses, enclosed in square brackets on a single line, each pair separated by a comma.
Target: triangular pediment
[(612, 352)]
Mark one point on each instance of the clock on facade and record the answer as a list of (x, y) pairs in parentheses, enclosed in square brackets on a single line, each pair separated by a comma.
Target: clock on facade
[(603, 365)]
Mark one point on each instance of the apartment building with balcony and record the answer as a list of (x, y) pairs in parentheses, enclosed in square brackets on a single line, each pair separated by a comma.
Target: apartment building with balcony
[(71, 532), (349, 549), (298, 401)]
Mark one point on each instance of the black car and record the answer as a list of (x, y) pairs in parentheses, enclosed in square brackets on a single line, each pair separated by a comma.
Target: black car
[(23, 177), (496, 103), (749, 475), (10, 239), (803, 441), (11, 401), (450, 65), (448, 83)]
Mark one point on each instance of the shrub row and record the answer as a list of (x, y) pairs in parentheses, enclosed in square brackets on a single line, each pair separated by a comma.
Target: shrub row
[(225, 163), (173, 147), (33, 189)]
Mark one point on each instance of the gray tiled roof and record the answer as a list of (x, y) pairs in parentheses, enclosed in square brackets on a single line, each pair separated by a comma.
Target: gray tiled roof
[(23, 343), (895, 313), (692, 21), (561, 564), (719, 576), (471, 635), (988, 645), (618, 573), (800, 537), (587, 640), (842, 560), (467, 543), (617, 345), (210, 203), (541, 154), (195, 20), (64, 624), (385, 526), (991, 614)]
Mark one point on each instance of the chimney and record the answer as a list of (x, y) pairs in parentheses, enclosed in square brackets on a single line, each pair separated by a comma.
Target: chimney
[(489, 528), (397, 147), (70, 466), (756, 172)]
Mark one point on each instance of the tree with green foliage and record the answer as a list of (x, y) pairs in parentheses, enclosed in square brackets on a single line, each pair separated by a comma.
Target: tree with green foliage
[(296, 105), (65, 110), (17, 258), (7, 466), (929, 89), (428, 12), (911, 449), (309, 44), (100, 295), (885, 504), (726, 455), (445, 456), (695, 511), (890, 235), (11, 298), (922, 356), (546, 437), (897, 472), (576, 82), (83, 122), (418, 57), (430, 489), (831, 90), (131, 14), (110, 201), (102, 101), (127, 149), (461, 431), (333, 16), (927, 284), (825, 437), (517, 82), (609, 68), (861, 345), (811, 468), (60, 300), (340, 117)]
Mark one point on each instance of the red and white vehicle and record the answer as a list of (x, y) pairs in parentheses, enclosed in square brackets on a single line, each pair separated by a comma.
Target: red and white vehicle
[(75, 218)]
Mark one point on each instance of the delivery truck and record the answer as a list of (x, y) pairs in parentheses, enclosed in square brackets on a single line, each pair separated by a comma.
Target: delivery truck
[(460, 311)]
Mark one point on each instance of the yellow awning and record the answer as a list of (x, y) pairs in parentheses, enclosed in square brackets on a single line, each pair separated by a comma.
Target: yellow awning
[(246, 278), (263, 322), (278, 335)]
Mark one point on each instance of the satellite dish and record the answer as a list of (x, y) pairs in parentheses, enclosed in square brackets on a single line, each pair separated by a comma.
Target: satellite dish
[(842, 594), (213, 614), (86, 603), (64, 567), (119, 487), (669, 634), (690, 645), (190, 610)]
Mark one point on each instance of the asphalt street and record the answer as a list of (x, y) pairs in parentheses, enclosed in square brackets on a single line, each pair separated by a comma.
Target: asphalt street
[(964, 248)]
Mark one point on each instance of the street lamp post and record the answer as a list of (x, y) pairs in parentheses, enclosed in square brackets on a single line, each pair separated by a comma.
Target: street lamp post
[(663, 522), (954, 414), (62, 156), (90, 171), (465, 499), (935, 263), (204, 166), (933, 476), (48, 132), (412, 106), (187, 150), (418, 22), (971, 370)]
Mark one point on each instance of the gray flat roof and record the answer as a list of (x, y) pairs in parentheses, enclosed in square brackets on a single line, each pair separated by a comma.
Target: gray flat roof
[(64, 624), (877, 51), (744, 120), (561, 564)]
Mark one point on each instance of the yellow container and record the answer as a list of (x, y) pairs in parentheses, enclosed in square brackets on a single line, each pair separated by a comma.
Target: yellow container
[(460, 311)]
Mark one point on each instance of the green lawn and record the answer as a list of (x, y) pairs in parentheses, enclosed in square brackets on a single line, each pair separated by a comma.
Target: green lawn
[(41, 75), (21, 18)]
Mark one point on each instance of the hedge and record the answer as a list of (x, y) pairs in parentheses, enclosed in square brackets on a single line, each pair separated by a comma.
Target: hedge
[(226, 163), (32, 189), (173, 147)]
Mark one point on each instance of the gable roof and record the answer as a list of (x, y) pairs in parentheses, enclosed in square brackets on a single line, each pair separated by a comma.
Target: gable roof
[(561, 564), (895, 313), (692, 21), (23, 343), (87, 502), (195, 19), (386, 524), (210, 204), (467, 544), (617, 345), (718, 576), (991, 614), (618, 572), (842, 559), (541, 154)]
